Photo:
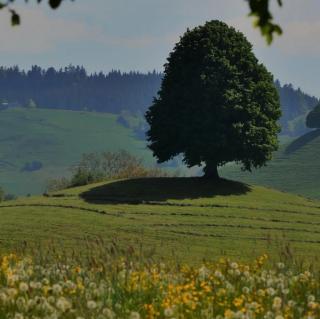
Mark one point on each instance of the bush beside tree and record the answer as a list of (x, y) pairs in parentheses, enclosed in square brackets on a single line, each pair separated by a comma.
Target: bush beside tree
[(98, 167)]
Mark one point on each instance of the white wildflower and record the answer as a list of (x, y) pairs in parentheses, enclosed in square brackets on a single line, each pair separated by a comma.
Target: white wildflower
[(91, 304), (203, 273), (108, 313), (168, 312), (134, 315), (277, 302), (63, 304), (92, 285), (56, 289), (12, 292), (3, 297), (218, 274), (234, 265), (245, 290), (45, 281), (271, 291), (21, 303), (23, 287)]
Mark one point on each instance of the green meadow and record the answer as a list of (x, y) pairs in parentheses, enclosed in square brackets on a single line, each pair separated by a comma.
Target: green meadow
[(186, 218), (56, 139), (295, 168)]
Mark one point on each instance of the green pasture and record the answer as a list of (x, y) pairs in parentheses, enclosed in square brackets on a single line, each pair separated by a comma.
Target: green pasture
[(184, 218)]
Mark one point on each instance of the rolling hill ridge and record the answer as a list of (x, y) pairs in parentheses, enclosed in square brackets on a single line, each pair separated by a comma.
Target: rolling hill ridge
[(183, 217), (295, 168)]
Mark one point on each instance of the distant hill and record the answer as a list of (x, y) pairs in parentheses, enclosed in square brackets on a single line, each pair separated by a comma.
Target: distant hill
[(72, 88), (295, 105), (295, 168), (38, 144)]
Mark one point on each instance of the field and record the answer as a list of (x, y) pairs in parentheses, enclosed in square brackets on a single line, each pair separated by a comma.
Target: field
[(184, 218), (56, 139), (295, 168), (136, 288)]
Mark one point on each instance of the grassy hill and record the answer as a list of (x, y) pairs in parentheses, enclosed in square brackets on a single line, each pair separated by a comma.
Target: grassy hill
[(56, 139), (295, 168), (185, 217)]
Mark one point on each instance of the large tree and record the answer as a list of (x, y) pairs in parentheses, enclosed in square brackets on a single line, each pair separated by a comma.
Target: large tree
[(217, 103)]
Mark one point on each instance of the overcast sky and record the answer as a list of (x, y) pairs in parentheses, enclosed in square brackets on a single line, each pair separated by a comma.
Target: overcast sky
[(139, 34)]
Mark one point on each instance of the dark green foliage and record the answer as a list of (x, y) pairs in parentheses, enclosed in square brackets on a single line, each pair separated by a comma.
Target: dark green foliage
[(83, 176), (15, 17), (216, 104), (264, 19), (313, 118)]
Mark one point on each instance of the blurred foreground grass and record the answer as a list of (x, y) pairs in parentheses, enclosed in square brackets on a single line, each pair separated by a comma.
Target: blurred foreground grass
[(113, 283)]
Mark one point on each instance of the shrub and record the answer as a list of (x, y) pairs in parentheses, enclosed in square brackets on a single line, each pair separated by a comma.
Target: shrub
[(32, 166), (2, 194), (8, 197), (57, 184), (97, 167)]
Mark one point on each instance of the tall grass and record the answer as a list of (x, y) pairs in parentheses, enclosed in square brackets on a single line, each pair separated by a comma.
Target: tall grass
[(107, 282)]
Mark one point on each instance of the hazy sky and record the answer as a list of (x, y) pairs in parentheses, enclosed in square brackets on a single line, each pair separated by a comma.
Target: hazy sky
[(139, 34)]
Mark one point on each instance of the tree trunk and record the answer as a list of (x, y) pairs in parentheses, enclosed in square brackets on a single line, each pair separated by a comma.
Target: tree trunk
[(211, 170)]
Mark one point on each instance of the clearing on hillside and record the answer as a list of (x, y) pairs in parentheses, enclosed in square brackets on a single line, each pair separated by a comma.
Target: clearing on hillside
[(184, 217)]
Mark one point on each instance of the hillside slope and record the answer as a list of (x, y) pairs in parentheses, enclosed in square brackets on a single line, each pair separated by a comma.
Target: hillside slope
[(39, 144), (295, 168), (184, 217)]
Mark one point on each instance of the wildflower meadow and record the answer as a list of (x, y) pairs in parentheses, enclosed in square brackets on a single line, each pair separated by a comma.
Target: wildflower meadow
[(133, 288)]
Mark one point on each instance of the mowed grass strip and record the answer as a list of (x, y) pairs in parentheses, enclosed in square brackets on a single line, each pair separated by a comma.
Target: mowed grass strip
[(230, 219)]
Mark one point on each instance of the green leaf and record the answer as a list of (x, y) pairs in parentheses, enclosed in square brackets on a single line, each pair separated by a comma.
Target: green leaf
[(54, 4), (15, 18)]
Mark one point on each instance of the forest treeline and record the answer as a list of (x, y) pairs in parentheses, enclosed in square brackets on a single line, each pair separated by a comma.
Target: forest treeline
[(72, 88)]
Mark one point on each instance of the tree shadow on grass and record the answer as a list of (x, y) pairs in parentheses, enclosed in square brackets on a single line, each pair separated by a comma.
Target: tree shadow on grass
[(301, 141), (139, 190)]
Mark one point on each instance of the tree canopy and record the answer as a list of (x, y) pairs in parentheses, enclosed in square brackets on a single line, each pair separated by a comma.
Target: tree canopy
[(313, 118), (217, 103), (260, 9)]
